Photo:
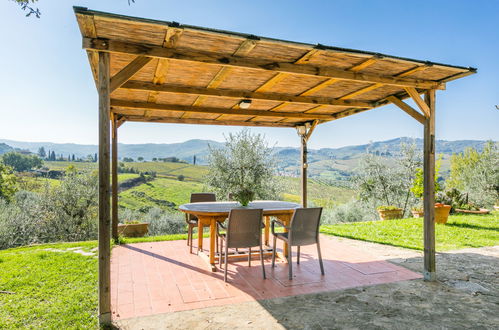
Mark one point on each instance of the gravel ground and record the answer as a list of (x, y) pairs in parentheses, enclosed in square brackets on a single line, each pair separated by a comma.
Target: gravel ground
[(466, 296)]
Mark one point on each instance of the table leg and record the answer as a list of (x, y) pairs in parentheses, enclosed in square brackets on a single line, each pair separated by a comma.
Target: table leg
[(213, 237), (267, 230), (200, 235)]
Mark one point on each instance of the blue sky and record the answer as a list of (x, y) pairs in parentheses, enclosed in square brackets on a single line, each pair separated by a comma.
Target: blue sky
[(47, 93)]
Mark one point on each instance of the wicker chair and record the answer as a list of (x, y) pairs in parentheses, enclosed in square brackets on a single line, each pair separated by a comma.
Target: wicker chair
[(244, 230), (303, 230), (192, 220)]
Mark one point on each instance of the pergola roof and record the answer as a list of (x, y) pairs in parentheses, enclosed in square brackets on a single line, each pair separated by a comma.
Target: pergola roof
[(169, 72)]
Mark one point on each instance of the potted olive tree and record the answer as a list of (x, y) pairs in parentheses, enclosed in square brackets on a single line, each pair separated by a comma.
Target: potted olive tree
[(441, 208), (389, 212), (244, 169)]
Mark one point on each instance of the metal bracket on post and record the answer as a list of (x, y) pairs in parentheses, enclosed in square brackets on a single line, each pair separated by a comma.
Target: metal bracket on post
[(305, 131)]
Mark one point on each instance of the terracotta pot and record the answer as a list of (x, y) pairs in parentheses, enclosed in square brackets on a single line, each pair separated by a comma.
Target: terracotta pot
[(442, 213), (417, 214), (133, 229), (390, 214)]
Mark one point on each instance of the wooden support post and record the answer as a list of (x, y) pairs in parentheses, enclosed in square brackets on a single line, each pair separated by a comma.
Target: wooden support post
[(104, 206), (304, 166), (429, 189), (114, 177)]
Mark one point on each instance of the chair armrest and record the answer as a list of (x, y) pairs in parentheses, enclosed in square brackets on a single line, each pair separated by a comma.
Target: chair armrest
[(272, 225), (220, 225)]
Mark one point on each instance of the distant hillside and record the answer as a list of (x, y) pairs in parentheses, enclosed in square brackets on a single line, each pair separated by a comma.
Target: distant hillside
[(5, 148), (325, 158), (184, 150)]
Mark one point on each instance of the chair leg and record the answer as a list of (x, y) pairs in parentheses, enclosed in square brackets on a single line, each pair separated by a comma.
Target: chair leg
[(263, 265), (290, 262), (225, 259), (216, 245), (189, 238), (273, 251), (320, 257), (249, 257), (298, 256), (221, 251)]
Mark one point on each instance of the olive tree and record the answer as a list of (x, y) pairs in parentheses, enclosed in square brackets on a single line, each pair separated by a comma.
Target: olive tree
[(7, 182), (477, 173), (245, 168), (382, 181), (20, 162)]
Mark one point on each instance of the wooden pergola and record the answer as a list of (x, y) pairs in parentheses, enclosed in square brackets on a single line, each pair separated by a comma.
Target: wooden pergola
[(165, 72)]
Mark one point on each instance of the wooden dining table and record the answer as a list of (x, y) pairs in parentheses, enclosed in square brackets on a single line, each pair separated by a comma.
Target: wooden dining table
[(210, 213)]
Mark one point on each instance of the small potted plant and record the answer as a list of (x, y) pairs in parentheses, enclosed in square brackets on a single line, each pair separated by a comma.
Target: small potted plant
[(388, 212), (244, 196), (417, 212), (133, 228), (442, 213)]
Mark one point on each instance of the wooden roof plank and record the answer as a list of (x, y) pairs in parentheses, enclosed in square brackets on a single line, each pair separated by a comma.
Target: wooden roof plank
[(259, 64), (238, 94)]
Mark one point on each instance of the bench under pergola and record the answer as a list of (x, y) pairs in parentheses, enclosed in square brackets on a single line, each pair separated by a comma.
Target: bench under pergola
[(165, 72)]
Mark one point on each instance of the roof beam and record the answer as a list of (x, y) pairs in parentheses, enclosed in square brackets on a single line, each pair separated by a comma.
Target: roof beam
[(238, 94), (259, 64), (311, 129), (212, 110), (407, 108), (196, 121), (128, 71), (172, 36), (347, 113), (413, 93)]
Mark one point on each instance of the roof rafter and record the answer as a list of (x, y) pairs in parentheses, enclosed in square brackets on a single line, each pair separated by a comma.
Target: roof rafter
[(128, 71), (244, 49), (259, 64)]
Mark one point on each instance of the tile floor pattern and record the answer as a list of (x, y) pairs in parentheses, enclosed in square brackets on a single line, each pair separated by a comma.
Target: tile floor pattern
[(161, 277)]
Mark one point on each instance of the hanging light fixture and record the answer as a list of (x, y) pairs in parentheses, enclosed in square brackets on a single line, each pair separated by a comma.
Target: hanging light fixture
[(245, 104)]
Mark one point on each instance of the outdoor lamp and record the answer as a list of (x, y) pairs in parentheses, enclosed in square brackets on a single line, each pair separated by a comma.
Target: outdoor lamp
[(301, 129), (245, 104)]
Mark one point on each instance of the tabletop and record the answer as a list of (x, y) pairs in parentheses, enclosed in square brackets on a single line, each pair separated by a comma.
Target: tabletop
[(210, 208)]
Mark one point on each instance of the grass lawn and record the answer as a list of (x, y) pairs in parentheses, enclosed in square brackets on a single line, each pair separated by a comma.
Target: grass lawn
[(52, 287), (461, 231)]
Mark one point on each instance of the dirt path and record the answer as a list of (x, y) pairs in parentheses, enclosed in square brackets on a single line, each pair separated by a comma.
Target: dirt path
[(466, 296)]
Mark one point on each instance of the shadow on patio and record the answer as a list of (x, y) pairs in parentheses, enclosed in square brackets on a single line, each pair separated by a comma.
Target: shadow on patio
[(162, 277)]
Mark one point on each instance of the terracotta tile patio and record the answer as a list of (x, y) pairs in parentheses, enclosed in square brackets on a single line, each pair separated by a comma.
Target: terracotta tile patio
[(161, 277)]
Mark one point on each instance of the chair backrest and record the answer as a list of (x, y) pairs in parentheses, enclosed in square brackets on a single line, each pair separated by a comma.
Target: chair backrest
[(199, 198), (203, 197), (304, 229), (244, 228)]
